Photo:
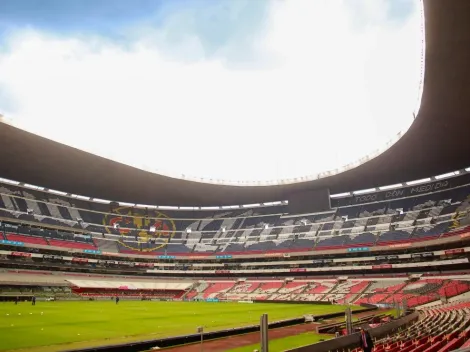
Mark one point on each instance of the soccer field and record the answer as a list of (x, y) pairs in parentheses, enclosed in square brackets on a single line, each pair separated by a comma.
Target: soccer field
[(57, 326)]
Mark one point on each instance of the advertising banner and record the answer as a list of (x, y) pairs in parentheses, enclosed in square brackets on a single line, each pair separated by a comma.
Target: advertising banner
[(12, 243), (21, 254), (403, 192)]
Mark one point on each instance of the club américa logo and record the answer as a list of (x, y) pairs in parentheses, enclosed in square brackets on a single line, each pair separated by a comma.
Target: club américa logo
[(132, 225)]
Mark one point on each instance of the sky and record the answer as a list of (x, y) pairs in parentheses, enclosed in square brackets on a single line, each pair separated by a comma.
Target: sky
[(234, 90)]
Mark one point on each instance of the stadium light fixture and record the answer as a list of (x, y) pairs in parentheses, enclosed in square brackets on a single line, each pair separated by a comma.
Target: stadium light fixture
[(251, 205), (167, 207), (467, 169), (99, 200), (79, 197), (60, 193), (340, 195), (5, 180), (364, 191), (449, 174), (32, 186), (417, 182), (124, 204), (384, 188)]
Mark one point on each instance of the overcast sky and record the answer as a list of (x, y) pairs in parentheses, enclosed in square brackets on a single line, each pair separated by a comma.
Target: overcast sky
[(221, 89)]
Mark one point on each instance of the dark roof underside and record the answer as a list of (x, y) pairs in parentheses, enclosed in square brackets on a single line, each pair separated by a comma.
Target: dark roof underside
[(437, 142)]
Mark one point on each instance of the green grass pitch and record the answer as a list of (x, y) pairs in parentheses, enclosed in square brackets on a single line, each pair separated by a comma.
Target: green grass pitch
[(56, 326)]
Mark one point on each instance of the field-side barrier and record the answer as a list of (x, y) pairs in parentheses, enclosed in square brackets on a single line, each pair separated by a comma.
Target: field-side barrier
[(352, 341), (196, 338)]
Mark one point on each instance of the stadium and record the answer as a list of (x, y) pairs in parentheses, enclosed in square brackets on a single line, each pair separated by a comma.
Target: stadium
[(97, 255)]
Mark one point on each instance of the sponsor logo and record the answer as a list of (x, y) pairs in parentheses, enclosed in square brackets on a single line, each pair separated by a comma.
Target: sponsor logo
[(383, 266), (91, 251), (223, 257), (430, 187), (273, 255), (12, 243), (399, 245), (454, 251), (358, 249), (135, 229), (52, 257), (21, 254), (167, 257), (222, 271), (10, 226), (422, 255), (399, 193), (298, 270), (386, 257), (396, 193), (107, 262), (79, 260), (144, 265), (366, 198)]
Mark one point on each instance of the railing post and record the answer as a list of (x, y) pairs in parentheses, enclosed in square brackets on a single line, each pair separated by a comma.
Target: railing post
[(264, 333)]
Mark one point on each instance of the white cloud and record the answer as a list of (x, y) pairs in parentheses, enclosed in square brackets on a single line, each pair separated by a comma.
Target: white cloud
[(328, 96)]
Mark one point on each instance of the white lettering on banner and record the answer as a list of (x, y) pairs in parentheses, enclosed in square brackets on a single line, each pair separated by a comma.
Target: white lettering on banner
[(395, 193), (428, 188), (366, 198)]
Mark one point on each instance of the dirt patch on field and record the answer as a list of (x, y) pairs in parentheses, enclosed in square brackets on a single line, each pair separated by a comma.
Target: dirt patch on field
[(228, 343)]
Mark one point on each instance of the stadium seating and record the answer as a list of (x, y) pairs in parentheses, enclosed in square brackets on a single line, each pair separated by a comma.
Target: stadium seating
[(415, 293), (115, 228), (441, 329), (26, 239), (383, 291)]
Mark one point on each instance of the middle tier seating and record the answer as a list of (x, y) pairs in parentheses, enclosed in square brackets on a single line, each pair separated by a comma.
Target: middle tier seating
[(383, 291), (239, 231)]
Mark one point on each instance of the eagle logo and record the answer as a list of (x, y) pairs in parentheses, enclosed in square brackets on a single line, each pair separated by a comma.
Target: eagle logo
[(141, 232)]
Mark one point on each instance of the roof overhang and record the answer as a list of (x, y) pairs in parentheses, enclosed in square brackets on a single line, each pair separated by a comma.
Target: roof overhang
[(437, 142)]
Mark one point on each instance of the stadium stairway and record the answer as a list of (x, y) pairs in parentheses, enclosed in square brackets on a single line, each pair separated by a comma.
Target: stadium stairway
[(360, 293), (197, 292)]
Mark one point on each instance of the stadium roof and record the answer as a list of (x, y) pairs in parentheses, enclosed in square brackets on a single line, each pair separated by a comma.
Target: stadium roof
[(437, 142)]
